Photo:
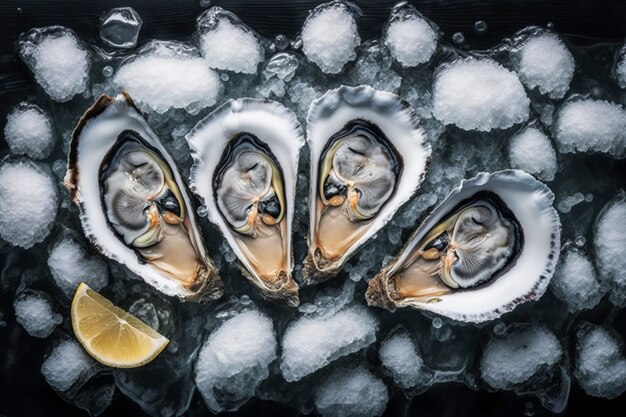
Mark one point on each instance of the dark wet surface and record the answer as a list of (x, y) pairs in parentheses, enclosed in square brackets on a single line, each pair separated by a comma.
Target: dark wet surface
[(23, 391)]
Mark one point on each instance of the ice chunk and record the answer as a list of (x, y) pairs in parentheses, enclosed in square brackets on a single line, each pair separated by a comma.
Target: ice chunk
[(283, 65), (34, 311), (235, 359), (373, 67), (28, 131), (479, 95), (591, 126), (330, 36), (620, 68), (228, 44), (120, 27), (353, 392), (609, 242), (168, 75), (531, 151), (302, 94), (66, 365), (575, 281), (544, 62), (58, 60), (70, 265), (409, 37), (310, 343), (600, 365), (399, 356), (514, 358), (26, 213)]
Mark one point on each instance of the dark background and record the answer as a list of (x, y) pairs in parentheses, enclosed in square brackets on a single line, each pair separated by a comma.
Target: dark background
[(23, 392)]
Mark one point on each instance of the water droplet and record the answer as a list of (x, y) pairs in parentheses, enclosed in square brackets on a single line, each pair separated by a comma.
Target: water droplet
[(19, 10), (580, 241), (480, 26), (443, 334), (499, 328), (550, 25), (281, 42), (244, 299), (202, 211), (224, 76), (437, 323), (588, 197), (107, 71), (172, 346), (205, 3), (458, 38)]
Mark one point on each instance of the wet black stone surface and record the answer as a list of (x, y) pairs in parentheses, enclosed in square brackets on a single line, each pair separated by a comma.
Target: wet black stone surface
[(23, 391)]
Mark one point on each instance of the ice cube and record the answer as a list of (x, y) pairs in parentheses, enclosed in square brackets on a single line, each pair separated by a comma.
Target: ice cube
[(544, 62), (58, 60), (575, 281), (609, 242), (479, 94), (70, 265), (311, 343), (28, 131), (409, 37), (531, 151), (235, 359), (35, 312), (352, 392), (226, 43), (120, 27), (600, 364), (283, 65), (591, 126), (330, 36), (514, 358), (167, 75), (66, 365), (26, 213), (373, 68), (399, 357)]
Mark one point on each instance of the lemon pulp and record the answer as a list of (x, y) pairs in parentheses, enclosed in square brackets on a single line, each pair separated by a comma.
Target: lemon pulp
[(111, 335)]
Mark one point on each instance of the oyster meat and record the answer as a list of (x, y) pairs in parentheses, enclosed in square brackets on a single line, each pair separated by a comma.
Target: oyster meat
[(358, 139), (134, 206), (490, 245), (245, 168)]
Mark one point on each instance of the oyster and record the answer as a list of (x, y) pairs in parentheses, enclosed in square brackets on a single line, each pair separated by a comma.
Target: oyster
[(245, 169), (492, 244), (134, 206), (358, 138)]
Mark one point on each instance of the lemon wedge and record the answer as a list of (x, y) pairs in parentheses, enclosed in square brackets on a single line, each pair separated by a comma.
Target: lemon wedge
[(111, 335)]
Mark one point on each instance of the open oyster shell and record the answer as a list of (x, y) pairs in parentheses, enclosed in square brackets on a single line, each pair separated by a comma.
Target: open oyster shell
[(245, 169), (369, 155), (491, 245), (134, 206)]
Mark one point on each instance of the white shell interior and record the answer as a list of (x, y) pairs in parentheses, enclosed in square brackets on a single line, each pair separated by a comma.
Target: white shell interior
[(395, 118), (94, 142), (272, 124), (531, 203)]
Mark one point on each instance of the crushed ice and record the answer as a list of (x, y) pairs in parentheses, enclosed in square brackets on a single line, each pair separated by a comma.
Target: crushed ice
[(522, 104)]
